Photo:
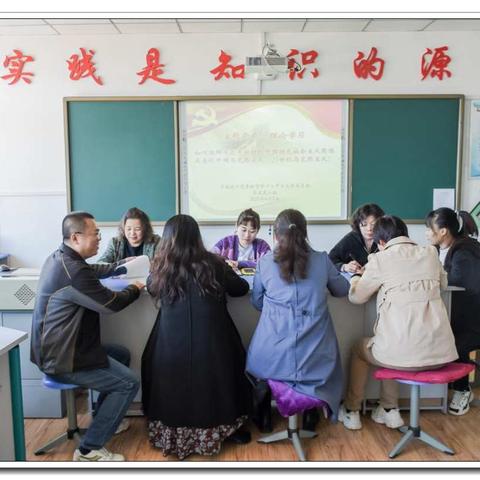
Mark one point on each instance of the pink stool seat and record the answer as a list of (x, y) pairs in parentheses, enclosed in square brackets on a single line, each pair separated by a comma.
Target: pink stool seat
[(446, 374)]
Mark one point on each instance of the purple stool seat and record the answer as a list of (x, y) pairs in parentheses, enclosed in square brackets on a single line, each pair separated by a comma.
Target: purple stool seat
[(289, 402), (448, 373)]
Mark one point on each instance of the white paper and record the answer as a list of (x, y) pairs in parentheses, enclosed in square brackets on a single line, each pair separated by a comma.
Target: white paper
[(443, 197), (139, 267)]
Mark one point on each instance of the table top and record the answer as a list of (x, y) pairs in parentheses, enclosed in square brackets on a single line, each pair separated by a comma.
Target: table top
[(10, 338)]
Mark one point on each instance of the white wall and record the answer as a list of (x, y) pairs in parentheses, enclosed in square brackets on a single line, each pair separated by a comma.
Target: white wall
[(32, 149)]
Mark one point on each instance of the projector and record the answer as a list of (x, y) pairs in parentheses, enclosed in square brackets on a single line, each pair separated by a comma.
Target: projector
[(268, 65)]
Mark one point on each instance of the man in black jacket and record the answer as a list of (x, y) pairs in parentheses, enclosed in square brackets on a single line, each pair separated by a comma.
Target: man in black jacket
[(65, 339)]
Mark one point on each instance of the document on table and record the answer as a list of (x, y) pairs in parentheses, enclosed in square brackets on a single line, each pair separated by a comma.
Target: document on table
[(139, 267)]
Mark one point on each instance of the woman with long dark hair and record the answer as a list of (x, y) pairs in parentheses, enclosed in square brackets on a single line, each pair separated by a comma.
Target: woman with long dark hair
[(195, 392), (460, 255), (295, 340)]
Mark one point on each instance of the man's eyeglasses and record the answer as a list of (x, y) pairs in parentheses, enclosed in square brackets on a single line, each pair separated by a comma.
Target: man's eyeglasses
[(96, 234)]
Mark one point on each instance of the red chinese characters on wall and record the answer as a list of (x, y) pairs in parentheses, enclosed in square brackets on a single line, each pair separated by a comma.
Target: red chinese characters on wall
[(435, 63), (15, 65), (226, 69), (83, 66), (371, 66), (297, 66), (154, 69)]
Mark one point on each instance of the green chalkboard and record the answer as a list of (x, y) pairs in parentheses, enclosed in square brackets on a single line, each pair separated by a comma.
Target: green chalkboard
[(121, 154), (403, 148)]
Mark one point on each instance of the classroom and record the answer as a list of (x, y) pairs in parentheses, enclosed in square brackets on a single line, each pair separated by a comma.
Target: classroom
[(208, 117)]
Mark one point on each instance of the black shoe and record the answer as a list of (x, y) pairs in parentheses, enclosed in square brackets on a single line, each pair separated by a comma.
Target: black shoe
[(310, 419), (240, 437), (264, 421), (262, 416)]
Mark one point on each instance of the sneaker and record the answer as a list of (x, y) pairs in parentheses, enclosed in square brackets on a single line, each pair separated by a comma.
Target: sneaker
[(124, 425), (351, 420), (101, 455), (391, 419), (460, 403)]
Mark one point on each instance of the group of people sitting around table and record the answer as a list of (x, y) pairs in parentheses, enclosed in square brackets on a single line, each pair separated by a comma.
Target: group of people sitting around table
[(199, 386)]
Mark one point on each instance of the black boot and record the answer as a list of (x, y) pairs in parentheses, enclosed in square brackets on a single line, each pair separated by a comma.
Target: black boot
[(310, 419), (262, 416)]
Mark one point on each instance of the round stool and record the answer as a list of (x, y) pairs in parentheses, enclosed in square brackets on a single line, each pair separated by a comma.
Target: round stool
[(290, 403), (448, 373), (72, 427)]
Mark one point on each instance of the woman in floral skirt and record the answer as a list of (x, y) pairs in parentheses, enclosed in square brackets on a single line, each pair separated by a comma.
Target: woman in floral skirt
[(195, 392)]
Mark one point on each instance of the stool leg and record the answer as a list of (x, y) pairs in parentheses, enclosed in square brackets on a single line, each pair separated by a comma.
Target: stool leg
[(73, 432), (298, 446), (53, 443), (409, 435), (429, 440), (414, 405), (71, 412), (274, 437), (411, 431), (414, 430)]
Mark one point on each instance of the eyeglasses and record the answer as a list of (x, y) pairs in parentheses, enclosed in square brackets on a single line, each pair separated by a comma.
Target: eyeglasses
[(365, 225), (96, 234)]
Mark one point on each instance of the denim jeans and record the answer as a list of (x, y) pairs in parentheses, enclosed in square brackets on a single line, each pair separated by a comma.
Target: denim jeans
[(117, 385)]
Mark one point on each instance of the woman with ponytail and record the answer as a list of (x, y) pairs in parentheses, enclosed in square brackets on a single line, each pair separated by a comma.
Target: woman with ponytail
[(460, 255), (295, 341)]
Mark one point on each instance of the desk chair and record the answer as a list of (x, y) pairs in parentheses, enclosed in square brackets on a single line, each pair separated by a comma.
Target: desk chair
[(290, 403), (448, 373), (73, 431)]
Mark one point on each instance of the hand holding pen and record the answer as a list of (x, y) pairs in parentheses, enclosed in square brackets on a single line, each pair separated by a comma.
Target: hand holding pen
[(353, 266)]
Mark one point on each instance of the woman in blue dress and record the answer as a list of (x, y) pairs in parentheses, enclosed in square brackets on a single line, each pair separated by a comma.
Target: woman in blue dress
[(295, 340)]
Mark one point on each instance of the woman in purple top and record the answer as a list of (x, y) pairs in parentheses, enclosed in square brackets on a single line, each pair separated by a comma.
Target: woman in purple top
[(243, 249)]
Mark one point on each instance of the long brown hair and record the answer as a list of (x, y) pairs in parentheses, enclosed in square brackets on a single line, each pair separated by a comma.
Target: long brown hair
[(292, 250), (180, 258)]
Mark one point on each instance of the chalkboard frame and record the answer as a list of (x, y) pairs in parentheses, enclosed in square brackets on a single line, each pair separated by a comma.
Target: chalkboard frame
[(351, 107)]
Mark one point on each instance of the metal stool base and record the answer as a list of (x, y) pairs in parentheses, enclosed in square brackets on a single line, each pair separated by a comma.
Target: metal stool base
[(73, 432), (64, 437), (293, 434), (413, 431)]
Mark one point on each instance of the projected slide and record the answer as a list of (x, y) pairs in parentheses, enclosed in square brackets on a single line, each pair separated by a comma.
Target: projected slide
[(266, 155)]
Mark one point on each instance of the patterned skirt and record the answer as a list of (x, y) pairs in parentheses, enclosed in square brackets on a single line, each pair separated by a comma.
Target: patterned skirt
[(185, 441)]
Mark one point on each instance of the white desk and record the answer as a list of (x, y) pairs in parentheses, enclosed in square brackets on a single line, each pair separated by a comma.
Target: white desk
[(131, 328), (12, 444)]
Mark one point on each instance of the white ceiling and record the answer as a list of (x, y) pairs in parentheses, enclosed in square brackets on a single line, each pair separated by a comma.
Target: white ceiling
[(118, 26)]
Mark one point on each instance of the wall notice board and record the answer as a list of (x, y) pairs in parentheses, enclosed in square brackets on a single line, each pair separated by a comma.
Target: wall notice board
[(123, 153)]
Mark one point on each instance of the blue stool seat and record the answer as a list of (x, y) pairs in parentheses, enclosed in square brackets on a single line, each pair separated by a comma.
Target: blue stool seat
[(72, 432), (49, 382)]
